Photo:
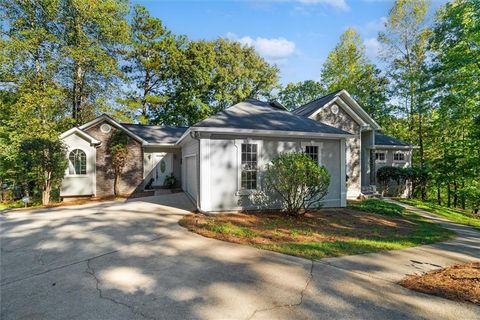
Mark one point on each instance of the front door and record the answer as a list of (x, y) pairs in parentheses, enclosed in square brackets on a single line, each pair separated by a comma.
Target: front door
[(162, 167)]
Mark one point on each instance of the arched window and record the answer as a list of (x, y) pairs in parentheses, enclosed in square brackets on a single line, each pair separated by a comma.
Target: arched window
[(77, 162)]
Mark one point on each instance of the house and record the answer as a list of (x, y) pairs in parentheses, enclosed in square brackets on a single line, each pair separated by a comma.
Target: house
[(218, 162)]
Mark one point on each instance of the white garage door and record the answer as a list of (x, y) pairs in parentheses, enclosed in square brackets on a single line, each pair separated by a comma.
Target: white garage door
[(191, 176)]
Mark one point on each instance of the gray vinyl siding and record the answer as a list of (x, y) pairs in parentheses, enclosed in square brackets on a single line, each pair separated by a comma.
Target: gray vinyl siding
[(222, 162)]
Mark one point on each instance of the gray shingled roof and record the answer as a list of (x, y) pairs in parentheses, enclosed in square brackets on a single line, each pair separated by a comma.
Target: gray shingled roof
[(308, 109), (257, 115), (156, 134), (384, 140)]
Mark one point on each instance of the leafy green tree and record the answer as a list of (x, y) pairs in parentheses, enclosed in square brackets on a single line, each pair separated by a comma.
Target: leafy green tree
[(148, 64), (298, 181), (405, 50), (293, 95), (347, 67), (92, 34), (44, 162), (32, 99), (209, 76), (456, 80), (118, 150)]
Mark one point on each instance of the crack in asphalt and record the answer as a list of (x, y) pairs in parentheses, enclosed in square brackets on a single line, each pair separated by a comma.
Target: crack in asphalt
[(101, 295), (288, 305), (80, 261), (39, 256)]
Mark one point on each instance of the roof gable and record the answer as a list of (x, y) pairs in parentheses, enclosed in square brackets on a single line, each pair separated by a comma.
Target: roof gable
[(343, 98), (80, 133), (308, 109), (111, 121)]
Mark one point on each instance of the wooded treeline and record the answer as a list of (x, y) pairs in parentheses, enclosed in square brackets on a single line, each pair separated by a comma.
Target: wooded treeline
[(63, 62), (426, 92)]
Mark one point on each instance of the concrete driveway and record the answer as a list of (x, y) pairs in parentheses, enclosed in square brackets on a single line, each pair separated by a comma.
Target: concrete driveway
[(131, 260)]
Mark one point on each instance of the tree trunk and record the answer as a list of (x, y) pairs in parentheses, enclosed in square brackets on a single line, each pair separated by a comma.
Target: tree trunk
[(449, 195), (439, 199), (47, 188), (146, 86), (116, 184), (77, 75), (77, 93), (455, 194), (423, 185)]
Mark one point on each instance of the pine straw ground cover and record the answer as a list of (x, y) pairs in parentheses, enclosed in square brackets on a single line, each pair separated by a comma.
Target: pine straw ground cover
[(322, 233), (459, 282)]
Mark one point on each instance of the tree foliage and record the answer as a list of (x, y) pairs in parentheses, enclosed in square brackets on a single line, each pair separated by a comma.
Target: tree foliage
[(148, 59), (405, 50), (294, 95), (347, 67), (208, 76), (44, 163), (92, 34), (298, 181)]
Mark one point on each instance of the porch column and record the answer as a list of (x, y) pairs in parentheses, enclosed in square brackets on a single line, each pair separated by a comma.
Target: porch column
[(373, 180)]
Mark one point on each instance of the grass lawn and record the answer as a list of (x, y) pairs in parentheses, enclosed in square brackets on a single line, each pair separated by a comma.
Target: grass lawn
[(11, 205), (323, 233), (452, 214)]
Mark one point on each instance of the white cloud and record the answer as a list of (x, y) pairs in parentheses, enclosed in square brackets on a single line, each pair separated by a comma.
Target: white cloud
[(338, 4), (275, 50), (372, 46), (376, 25)]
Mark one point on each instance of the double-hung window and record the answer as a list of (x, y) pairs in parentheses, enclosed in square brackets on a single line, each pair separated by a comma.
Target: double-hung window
[(399, 156), (312, 152), (380, 157), (249, 166)]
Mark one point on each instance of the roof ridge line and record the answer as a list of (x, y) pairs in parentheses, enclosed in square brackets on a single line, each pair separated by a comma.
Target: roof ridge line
[(319, 98)]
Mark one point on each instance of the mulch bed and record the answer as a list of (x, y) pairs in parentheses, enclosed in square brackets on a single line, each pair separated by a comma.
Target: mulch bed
[(458, 282), (322, 225)]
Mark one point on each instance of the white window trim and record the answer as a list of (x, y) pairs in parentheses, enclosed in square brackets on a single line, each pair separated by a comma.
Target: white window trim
[(404, 157), (381, 161), (314, 144), (238, 145)]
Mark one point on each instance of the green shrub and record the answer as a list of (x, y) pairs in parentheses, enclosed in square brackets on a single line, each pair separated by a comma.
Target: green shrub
[(472, 196), (387, 174), (417, 176), (170, 181), (298, 181)]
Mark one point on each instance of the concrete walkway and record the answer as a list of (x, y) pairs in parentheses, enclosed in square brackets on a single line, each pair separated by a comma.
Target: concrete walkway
[(131, 260)]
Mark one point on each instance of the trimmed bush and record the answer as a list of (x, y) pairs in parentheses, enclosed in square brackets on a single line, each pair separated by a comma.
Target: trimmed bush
[(298, 181)]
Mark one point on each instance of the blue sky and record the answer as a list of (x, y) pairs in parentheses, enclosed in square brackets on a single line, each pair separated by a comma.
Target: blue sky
[(297, 35)]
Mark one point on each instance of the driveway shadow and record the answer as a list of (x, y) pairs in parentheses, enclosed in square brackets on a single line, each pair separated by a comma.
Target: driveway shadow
[(131, 260)]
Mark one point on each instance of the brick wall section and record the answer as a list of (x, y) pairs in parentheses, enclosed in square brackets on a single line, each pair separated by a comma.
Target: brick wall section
[(344, 121), (131, 179)]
